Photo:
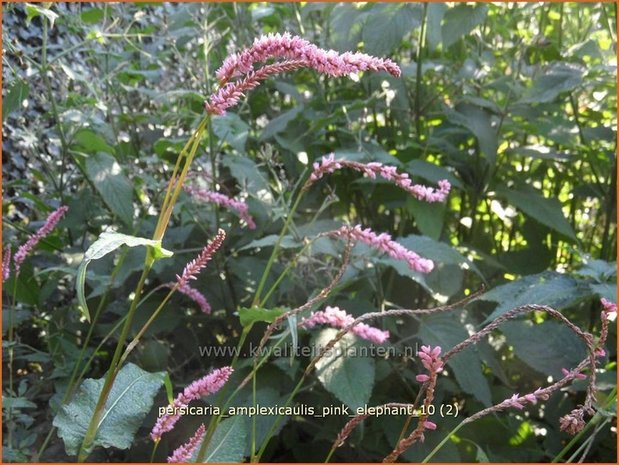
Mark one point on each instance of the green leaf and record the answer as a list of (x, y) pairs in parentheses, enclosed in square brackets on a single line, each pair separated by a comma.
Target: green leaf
[(32, 11), (600, 270), (106, 243), (279, 123), (350, 378), (232, 129), (477, 121), (130, 400), (548, 288), (387, 24), (545, 347), (460, 20), (446, 278), (16, 94), (115, 189), (246, 172), (446, 331), (436, 11), (16, 403), (91, 142), (110, 241), (228, 442), (439, 252), (432, 172), (249, 316), (429, 217), (547, 87), (542, 209), (345, 24), (606, 290), (287, 242), (92, 16)]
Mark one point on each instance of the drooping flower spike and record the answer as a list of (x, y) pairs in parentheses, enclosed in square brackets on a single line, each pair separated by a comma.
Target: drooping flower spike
[(295, 48), (329, 164), (384, 243), (193, 294), (50, 223), (205, 386), (225, 201), (297, 53), (338, 318)]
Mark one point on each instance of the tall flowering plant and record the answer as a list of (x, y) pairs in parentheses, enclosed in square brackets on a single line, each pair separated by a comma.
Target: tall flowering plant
[(240, 73)]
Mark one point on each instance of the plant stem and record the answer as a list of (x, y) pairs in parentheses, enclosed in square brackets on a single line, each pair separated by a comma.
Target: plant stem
[(612, 399), (267, 269), (11, 343), (443, 442), (52, 101), (419, 73), (215, 422), (113, 371)]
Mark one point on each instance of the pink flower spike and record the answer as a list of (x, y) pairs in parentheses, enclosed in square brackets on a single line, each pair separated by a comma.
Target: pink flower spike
[(608, 306), (429, 425), (50, 223), (223, 200), (514, 401), (197, 297), (329, 164), (573, 422), (207, 385), (6, 263), (565, 371), (384, 243), (422, 378), (193, 267), (541, 394), (338, 318), (600, 352), (531, 398), (184, 452), (290, 47)]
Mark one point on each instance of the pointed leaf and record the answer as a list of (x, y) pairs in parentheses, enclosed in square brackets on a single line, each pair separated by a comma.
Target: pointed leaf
[(113, 186), (249, 316), (548, 288), (130, 400), (106, 243), (349, 378), (228, 442), (460, 20), (446, 331), (543, 209)]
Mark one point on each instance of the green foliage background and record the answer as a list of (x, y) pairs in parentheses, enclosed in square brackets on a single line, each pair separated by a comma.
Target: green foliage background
[(515, 104)]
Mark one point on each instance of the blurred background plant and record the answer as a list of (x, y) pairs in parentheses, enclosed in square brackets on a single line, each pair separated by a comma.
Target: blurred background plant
[(514, 104)]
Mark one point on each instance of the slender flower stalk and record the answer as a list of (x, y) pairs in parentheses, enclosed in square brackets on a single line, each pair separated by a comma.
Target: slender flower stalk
[(329, 164), (433, 363), (50, 223), (192, 269), (205, 386), (337, 318), (384, 243), (184, 452), (6, 263), (223, 200), (295, 48)]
